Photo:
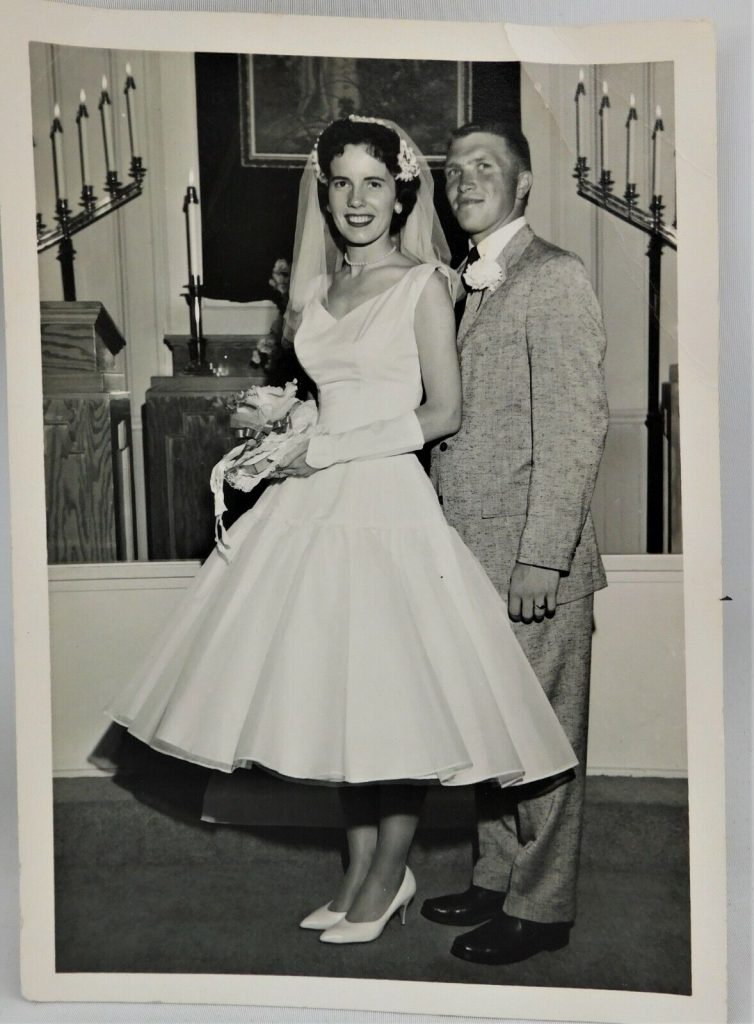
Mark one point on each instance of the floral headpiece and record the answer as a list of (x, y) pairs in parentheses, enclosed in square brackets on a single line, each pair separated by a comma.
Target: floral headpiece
[(409, 165)]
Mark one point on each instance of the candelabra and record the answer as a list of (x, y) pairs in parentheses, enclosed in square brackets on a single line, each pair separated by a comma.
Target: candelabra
[(651, 222), (92, 209)]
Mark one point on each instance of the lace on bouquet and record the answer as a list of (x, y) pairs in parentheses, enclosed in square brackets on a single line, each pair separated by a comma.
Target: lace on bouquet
[(240, 466)]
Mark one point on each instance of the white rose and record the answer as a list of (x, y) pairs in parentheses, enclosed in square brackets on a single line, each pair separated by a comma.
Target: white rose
[(484, 274), (273, 403), (244, 416)]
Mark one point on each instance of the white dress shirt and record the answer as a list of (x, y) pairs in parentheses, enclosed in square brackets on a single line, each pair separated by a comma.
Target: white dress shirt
[(491, 246)]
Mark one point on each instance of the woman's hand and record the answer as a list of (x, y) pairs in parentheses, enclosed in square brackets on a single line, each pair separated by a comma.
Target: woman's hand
[(294, 462)]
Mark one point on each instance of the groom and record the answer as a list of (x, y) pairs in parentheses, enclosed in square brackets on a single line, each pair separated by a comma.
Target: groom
[(516, 482)]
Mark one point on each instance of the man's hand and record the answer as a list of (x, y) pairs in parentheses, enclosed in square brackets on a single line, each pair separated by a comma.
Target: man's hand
[(532, 593)]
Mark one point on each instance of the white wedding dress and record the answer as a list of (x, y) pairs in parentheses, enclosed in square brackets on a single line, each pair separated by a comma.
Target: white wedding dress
[(349, 634)]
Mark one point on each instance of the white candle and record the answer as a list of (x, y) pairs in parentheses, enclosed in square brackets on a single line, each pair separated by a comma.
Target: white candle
[(580, 91), (82, 119), (194, 231), (657, 155), (57, 145), (130, 86), (107, 125), (631, 141), (604, 107)]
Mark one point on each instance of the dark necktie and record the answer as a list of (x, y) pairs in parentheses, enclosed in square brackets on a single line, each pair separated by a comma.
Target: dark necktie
[(461, 304)]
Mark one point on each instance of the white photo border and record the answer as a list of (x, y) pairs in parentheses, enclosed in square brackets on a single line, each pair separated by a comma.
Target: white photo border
[(690, 46)]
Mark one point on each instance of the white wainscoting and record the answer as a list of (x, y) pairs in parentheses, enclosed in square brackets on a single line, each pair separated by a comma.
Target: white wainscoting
[(102, 616)]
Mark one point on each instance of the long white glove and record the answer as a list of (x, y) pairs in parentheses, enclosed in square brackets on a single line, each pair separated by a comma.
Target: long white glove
[(372, 441)]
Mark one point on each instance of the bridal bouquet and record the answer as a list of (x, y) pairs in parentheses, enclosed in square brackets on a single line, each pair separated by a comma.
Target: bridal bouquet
[(271, 420), (262, 410)]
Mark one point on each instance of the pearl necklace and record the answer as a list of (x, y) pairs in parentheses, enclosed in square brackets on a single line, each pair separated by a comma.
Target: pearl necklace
[(368, 263)]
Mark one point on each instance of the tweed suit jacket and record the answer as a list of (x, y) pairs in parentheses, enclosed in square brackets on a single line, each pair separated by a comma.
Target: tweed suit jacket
[(516, 481)]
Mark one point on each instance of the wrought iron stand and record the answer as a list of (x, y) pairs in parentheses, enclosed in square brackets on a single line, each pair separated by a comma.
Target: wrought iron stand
[(94, 209), (650, 221)]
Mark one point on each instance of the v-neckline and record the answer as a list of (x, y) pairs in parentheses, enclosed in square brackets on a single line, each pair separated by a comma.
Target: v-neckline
[(365, 302)]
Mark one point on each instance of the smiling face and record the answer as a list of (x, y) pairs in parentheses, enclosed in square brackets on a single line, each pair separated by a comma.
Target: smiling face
[(361, 197), (483, 183)]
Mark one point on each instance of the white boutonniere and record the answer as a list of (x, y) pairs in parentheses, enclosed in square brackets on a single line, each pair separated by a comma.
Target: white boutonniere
[(484, 274)]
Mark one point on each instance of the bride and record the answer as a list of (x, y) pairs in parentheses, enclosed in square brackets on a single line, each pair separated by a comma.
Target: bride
[(348, 636)]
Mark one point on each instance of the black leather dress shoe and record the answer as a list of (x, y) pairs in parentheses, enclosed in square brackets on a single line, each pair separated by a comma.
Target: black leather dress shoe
[(506, 940), (462, 908)]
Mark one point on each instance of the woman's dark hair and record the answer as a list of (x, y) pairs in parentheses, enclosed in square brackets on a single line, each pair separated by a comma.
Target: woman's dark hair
[(383, 144)]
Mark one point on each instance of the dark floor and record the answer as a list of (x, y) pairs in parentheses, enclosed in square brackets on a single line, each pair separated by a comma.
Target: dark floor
[(138, 890)]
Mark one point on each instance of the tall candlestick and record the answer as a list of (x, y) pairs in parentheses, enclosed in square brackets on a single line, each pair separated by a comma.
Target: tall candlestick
[(193, 238), (580, 91), (58, 169), (82, 117), (631, 141), (657, 154), (603, 115), (106, 116), (129, 87), (193, 294)]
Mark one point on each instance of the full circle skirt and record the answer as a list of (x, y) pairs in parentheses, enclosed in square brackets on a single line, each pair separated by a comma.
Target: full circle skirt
[(346, 635)]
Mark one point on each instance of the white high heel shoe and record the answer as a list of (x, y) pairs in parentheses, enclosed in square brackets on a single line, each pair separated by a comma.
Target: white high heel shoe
[(367, 931), (322, 918)]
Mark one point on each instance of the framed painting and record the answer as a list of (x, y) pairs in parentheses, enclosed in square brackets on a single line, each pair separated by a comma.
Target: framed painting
[(287, 100)]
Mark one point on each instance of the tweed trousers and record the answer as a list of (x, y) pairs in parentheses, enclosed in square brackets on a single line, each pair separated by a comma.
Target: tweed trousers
[(529, 837)]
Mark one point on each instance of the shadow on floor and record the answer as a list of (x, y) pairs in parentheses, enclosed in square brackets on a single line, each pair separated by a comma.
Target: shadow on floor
[(139, 890)]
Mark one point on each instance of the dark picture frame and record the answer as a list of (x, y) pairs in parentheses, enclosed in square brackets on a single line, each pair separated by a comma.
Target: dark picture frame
[(286, 101)]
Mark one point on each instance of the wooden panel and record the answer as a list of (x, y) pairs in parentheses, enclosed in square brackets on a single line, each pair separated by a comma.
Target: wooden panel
[(89, 490), (186, 432), (80, 383), (231, 352), (189, 384), (79, 337), (79, 480)]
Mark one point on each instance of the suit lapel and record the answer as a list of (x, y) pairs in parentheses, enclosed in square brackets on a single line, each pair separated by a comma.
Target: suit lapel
[(460, 290), (507, 259)]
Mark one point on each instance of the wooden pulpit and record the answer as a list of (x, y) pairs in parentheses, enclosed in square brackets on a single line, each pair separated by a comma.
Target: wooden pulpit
[(87, 434), (187, 430)]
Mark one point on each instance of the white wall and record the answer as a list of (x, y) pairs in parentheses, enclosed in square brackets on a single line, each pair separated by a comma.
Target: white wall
[(102, 616), (614, 254)]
